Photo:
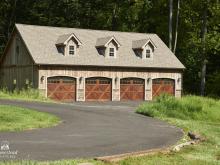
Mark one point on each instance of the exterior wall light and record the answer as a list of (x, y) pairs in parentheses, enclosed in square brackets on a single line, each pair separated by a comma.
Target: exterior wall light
[(80, 80), (14, 81), (116, 80), (27, 81), (148, 80), (42, 79)]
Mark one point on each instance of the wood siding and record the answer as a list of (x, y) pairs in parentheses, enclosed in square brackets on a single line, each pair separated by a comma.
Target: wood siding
[(18, 66)]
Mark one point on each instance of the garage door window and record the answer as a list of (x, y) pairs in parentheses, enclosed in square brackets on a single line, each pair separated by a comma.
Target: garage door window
[(104, 82), (53, 81), (125, 81), (138, 81), (91, 81)]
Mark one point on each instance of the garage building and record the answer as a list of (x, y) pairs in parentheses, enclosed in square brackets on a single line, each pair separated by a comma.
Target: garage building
[(70, 64)]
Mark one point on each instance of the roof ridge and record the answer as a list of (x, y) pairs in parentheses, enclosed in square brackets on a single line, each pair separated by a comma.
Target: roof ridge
[(84, 29)]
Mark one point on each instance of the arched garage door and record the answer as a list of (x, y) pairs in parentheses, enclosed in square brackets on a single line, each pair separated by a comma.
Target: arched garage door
[(131, 89), (98, 89), (163, 85), (61, 88)]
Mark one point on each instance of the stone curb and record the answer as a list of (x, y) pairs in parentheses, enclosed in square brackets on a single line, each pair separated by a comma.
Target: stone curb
[(116, 158)]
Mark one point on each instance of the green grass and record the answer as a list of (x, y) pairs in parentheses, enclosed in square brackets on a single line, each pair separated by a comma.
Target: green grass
[(192, 113), (187, 108), (61, 162), (29, 94), (18, 119)]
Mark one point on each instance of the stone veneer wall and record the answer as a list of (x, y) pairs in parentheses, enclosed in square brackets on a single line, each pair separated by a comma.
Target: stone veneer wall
[(115, 74)]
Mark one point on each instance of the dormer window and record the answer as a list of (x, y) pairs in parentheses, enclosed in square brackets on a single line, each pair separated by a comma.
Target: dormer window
[(111, 52), (144, 48), (71, 50), (107, 46), (68, 44), (148, 53)]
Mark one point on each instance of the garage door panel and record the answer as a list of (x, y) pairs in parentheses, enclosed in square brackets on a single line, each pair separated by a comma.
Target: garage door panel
[(137, 88), (104, 88), (51, 87), (161, 86), (132, 89), (89, 87), (98, 89), (61, 88)]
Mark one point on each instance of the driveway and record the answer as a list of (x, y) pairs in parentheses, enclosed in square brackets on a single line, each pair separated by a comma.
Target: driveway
[(89, 130)]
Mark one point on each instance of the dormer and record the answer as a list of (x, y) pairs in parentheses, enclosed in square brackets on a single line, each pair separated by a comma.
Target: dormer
[(68, 44), (108, 46), (144, 48)]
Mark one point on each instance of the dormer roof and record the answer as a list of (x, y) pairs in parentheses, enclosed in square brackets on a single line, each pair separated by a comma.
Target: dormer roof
[(140, 44), (63, 39), (103, 42)]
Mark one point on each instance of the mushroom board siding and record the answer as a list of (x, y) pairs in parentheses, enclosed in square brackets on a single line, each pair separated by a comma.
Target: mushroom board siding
[(131, 89), (163, 85), (61, 88), (98, 89)]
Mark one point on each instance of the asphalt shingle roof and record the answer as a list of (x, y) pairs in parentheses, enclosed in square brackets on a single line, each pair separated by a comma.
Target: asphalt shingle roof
[(103, 41), (61, 39), (41, 43), (140, 43)]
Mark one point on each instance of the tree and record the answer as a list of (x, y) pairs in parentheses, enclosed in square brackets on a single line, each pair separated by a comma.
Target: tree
[(170, 24), (196, 47), (203, 43), (176, 28)]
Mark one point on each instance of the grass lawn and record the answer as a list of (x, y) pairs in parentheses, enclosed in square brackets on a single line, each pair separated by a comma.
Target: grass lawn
[(18, 119), (201, 115), (192, 113)]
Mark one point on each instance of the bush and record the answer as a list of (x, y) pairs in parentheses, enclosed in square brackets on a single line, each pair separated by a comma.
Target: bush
[(27, 94), (188, 107)]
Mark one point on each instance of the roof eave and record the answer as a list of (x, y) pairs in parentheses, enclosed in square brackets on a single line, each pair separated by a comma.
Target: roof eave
[(171, 68), (76, 38), (112, 38)]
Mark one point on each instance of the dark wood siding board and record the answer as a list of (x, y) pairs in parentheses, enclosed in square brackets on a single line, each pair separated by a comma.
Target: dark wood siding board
[(23, 70)]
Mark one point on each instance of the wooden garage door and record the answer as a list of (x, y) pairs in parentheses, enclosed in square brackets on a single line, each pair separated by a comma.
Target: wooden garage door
[(163, 86), (132, 89), (98, 89), (61, 88)]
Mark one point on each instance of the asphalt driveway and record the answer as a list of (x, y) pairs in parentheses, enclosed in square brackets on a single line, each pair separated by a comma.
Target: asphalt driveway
[(89, 130)]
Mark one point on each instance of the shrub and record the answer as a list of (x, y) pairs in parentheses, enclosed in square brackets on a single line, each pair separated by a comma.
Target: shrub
[(28, 94)]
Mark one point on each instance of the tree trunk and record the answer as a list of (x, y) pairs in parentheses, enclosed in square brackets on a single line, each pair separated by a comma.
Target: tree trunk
[(170, 24), (11, 21), (203, 42), (177, 23), (114, 12)]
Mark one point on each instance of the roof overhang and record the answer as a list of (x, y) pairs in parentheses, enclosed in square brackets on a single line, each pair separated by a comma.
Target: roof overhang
[(103, 42), (64, 39), (141, 44)]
